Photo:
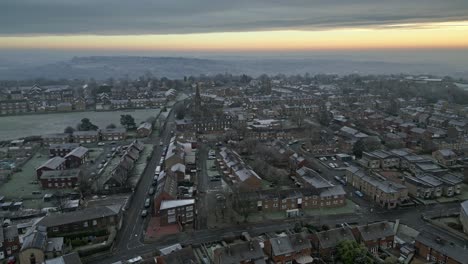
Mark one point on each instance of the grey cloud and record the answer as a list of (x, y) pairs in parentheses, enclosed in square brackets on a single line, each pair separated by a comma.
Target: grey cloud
[(23, 17)]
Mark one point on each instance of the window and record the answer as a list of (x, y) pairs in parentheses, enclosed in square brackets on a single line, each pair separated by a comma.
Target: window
[(189, 208), (171, 211), (15, 247), (189, 214), (85, 224), (94, 222), (171, 219), (275, 205), (55, 229)]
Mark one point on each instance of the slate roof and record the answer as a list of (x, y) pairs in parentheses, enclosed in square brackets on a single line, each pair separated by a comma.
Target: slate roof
[(331, 238), (79, 216), (71, 258), (281, 246), (35, 238), (78, 152), (239, 252), (53, 163), (74, 173), (375, 231), (10, 232), (444, 246)]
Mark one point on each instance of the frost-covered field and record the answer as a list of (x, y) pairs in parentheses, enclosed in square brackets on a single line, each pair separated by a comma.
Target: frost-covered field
[(12, 127)]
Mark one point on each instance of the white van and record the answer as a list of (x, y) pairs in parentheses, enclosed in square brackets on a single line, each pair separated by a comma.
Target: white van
[(157, 170)]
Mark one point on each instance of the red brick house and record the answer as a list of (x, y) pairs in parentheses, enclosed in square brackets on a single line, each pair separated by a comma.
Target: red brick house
[(166, 190), (77, 157), (144, 129), (60, 179), (114, 134), (286, 249), (93, 218), (325, 242), (61, 150), (436, 249), (85, 136), (375, 236), (248, 252), (177, 211), (56, 163), (11, 243)]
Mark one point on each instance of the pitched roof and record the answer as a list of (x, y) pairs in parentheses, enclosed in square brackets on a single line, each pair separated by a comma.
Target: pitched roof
[(444, 246), (71, 258), (331, 238), (239, 252), (74, 173), (375, 231), (79, 216), (168, 204), (35, 238), (183, 256), (53, 163), (281, 246), (78, 152)]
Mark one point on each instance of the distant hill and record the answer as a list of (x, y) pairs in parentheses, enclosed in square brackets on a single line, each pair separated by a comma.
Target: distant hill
[(102, 67)]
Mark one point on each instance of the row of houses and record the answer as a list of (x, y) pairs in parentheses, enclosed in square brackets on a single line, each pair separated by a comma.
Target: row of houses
[(62, 172), (109, 134), (42, 241), (115, 176), (173, 201), (305, 248), (239, 174)]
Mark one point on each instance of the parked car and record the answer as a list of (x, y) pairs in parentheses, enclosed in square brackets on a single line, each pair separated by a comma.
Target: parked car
[(101, 144), (144, 213), (358, 193), (151, 191), (147, 202)]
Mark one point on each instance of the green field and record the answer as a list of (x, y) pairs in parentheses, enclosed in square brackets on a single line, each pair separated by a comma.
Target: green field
[(38, 124)]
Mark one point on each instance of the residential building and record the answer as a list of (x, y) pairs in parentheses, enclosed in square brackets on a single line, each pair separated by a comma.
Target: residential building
[(61, 149), (58, 179), (76, 157), (85, 136), (385, 193), (114, 134), (464, 216), (248, 252), (9, 240), (53, 164), (10, 107), (445, 157), (37, 246), (179, 256), (60, 138), (70, 258), (380, 159), (145, 129), (177, 211), (292, 201), (93, 218), (437, 249), (326, 242), (288, 249), (376, 236)]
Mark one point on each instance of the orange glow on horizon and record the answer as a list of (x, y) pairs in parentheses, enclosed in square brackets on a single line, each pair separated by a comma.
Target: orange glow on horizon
[(402, 36)]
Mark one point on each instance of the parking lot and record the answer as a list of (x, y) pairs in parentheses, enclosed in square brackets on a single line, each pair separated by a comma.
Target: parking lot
[(332, 162)]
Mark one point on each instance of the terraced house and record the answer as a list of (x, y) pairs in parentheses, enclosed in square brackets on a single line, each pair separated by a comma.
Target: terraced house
[(383, 192)]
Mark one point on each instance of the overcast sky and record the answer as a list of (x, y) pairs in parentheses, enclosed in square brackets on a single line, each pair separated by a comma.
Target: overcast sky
[(128, 17)]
